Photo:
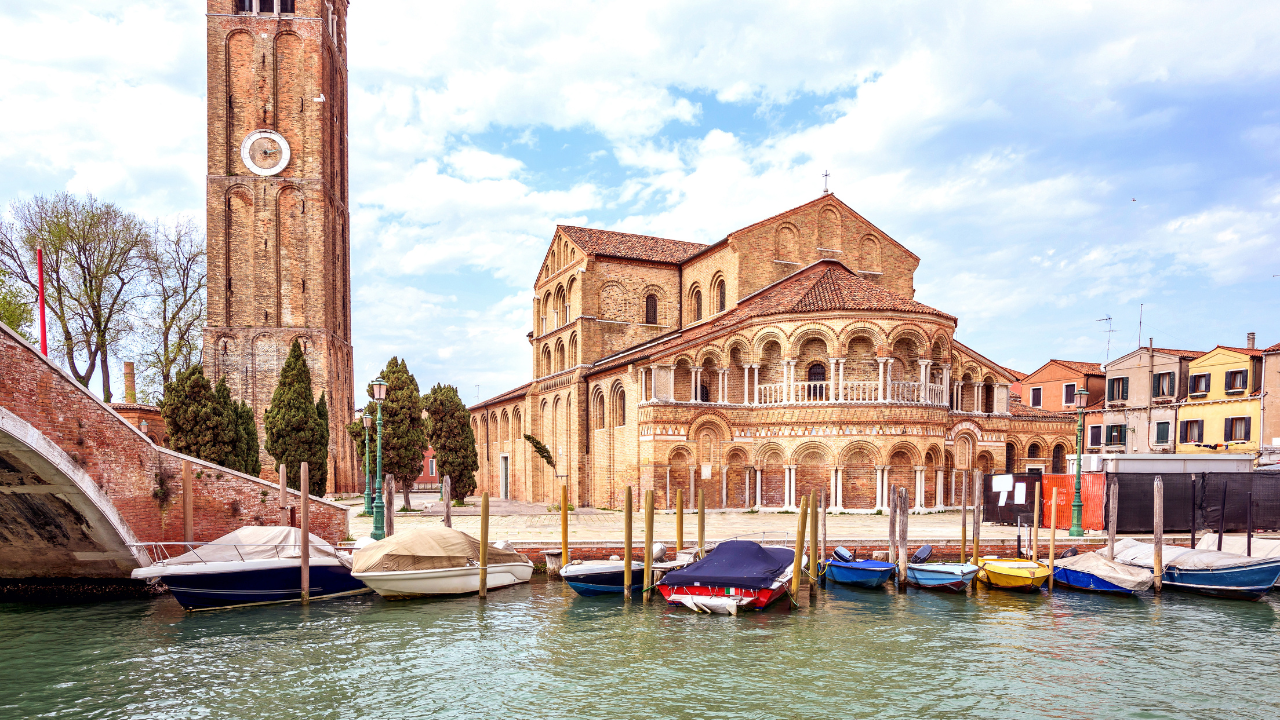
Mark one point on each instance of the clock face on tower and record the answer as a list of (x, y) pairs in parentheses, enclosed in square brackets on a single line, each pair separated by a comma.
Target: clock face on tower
[(265, 152)]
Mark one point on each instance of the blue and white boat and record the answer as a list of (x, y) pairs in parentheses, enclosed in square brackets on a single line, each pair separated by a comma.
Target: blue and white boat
[(1095, 573), (952, 577), (251, 566), (846, 569), (1205, 572), (590, 578)]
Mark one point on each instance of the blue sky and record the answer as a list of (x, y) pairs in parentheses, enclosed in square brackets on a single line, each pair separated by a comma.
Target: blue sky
[(1051, 164)]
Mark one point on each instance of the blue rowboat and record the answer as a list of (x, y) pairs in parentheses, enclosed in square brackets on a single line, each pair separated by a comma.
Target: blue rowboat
[(861, 573), (602, 577), (1095, 573), (1249, 581), (953, 577)]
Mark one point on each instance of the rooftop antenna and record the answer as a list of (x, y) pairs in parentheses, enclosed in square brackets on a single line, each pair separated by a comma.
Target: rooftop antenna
[(1140, 323), (1108, 331), (825, 175)]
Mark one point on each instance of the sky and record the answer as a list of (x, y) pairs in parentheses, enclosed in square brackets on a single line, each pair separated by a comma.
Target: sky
[(1052, 164)]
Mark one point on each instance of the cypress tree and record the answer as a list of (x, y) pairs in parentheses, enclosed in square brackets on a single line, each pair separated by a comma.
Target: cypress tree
[(196, 419), (451, 436), (319, 471), (251, 461), (293, 430)]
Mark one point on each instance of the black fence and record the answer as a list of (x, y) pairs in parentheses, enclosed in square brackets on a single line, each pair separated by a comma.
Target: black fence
[(1197, 501), (1010, 512)]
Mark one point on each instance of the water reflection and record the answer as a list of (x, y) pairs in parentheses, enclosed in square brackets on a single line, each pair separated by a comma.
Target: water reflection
[(539, 650)]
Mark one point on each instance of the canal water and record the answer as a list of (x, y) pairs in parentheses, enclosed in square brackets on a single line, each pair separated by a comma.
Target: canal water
[(539, 651)]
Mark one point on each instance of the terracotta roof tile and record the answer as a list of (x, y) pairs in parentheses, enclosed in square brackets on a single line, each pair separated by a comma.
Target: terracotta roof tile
[(1017, 409), (1180, 353), (627, 245), (829, 285), (1084, 367), (826, 197), (1017, 375), (1273, 348), (1252, 352), (508, 395)]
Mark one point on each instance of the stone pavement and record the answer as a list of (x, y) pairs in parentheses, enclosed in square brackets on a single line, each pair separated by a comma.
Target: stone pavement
[(525, 524)]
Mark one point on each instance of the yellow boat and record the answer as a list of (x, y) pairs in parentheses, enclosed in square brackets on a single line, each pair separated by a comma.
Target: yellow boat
[(1013, 573)]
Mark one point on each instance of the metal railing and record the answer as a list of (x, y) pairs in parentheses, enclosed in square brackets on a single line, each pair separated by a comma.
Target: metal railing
[(161, 549), (851, 391)]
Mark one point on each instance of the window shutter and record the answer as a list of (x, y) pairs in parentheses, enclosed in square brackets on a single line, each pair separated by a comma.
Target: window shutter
[(1155, 385), (1124, 389), (1110, 386), (1226, 430), (1123, 430), (1247, 429), (1208, 380), (1182, 431)]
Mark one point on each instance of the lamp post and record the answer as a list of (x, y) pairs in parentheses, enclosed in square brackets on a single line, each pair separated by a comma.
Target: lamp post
[(367, 419), (1077, 504), (379, 518)]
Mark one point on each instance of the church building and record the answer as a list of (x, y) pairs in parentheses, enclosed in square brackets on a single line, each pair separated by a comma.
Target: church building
[(789, 356)]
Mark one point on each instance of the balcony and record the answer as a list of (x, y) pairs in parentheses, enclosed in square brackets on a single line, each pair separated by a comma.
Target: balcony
[(864, 392)]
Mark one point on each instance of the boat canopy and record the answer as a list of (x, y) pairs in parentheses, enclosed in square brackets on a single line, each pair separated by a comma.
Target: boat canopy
[(1262, 547), (1130, 577), (1135, 552), (427, 548), (735, 563), (254, 542)]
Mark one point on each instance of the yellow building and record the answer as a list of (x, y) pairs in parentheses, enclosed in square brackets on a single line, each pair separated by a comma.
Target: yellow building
[(1223, 409)]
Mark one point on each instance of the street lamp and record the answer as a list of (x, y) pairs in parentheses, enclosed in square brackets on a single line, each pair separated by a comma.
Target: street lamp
[(379, 519), (1077, 504), (367, 419)]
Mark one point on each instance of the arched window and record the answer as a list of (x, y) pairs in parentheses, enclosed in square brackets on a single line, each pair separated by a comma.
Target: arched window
[(651, 310), (597, 410), (817, 372), (1010, 458), (697, 304), (720, 297), (1033, 451), (704, 393), (1059, 459), (619, 408)]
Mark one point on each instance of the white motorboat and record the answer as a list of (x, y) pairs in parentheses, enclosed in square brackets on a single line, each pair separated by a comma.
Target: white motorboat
[(435, 560)]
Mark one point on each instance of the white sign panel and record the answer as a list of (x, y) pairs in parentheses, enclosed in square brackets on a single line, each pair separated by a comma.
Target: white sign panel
[(1020, 494), (1001, 483)]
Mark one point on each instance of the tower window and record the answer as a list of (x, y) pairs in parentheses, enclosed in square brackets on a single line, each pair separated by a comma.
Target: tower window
[(244, 5), (720, 297), (286, 6), (651, 310), (266, 5), (304, 285), (697, 304)]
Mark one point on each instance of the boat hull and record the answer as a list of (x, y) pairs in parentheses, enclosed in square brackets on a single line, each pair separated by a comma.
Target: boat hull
[(590, 582), (861, 574), (260, 586), (1252, 582), (722, 600), (1014, 579), (1086, 581), (408, 584), (939, 579)]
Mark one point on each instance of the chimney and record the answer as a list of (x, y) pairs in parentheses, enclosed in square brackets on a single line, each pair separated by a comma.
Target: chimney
[(130, 392), (1251, 338)]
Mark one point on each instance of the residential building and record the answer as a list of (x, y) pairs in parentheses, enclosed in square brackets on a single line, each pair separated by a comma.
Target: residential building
[(1143, 391), (1055, 388), (1270, 423), (789, 356), (1223, 409)]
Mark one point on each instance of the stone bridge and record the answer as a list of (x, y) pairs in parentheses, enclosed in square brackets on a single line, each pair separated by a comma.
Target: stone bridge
[(79, 484)]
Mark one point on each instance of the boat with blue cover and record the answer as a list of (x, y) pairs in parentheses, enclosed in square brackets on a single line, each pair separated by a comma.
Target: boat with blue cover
[(845, 568), (251, 566)]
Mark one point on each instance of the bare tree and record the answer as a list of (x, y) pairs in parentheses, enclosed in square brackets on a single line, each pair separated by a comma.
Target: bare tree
[(93, 260), (171, 315)]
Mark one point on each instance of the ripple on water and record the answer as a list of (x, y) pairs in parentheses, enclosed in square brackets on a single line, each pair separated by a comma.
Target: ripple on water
[(539, 651)]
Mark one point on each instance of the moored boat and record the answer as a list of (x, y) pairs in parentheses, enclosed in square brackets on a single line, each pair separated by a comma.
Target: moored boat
[(1093, 572), (1205, 572), (255, 565), (735, 575), (952, 577), (845, 568), (1013, 574), (590, 578), (435, 560)]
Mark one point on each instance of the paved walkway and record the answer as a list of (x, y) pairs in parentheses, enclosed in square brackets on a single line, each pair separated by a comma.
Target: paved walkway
[(524, 523)]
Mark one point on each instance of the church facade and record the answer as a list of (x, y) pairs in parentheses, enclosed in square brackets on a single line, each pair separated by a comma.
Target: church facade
[(787, 357), (277, 208)]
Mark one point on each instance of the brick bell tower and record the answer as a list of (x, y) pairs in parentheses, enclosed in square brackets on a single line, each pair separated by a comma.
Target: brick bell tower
[(277, 228)]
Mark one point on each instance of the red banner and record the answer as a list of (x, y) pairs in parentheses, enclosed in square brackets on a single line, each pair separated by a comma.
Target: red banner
[(1093, 486)]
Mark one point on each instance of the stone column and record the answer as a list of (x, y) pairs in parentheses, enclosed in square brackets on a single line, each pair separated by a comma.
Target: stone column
[(880, 490), (759, 480), (881, 395), (938, 489), (833, 492), (694, 471), (755, 374), (977, 397), (839, 489), (838, 395), (693, 384), (724, 486), (746, 384), (919, 486), (924, 381), (946, 384)]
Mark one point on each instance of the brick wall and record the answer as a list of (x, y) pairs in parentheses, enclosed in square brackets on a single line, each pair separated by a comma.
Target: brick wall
[(125, 464)]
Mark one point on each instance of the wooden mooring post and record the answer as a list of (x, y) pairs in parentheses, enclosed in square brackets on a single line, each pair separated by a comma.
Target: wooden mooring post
[(188, 505), (904, 509), (964, 515), (679, 519), (702, 524), (1113, 516), (1035, 527), (893, 524), (304, 523), (1157, 535), (284, 497), (564, 524), (447, 491), (815, 554), (647, 578), (484, 545), (390, 516), (822, 552), (796, 568), (626, 546), (977, 519)]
